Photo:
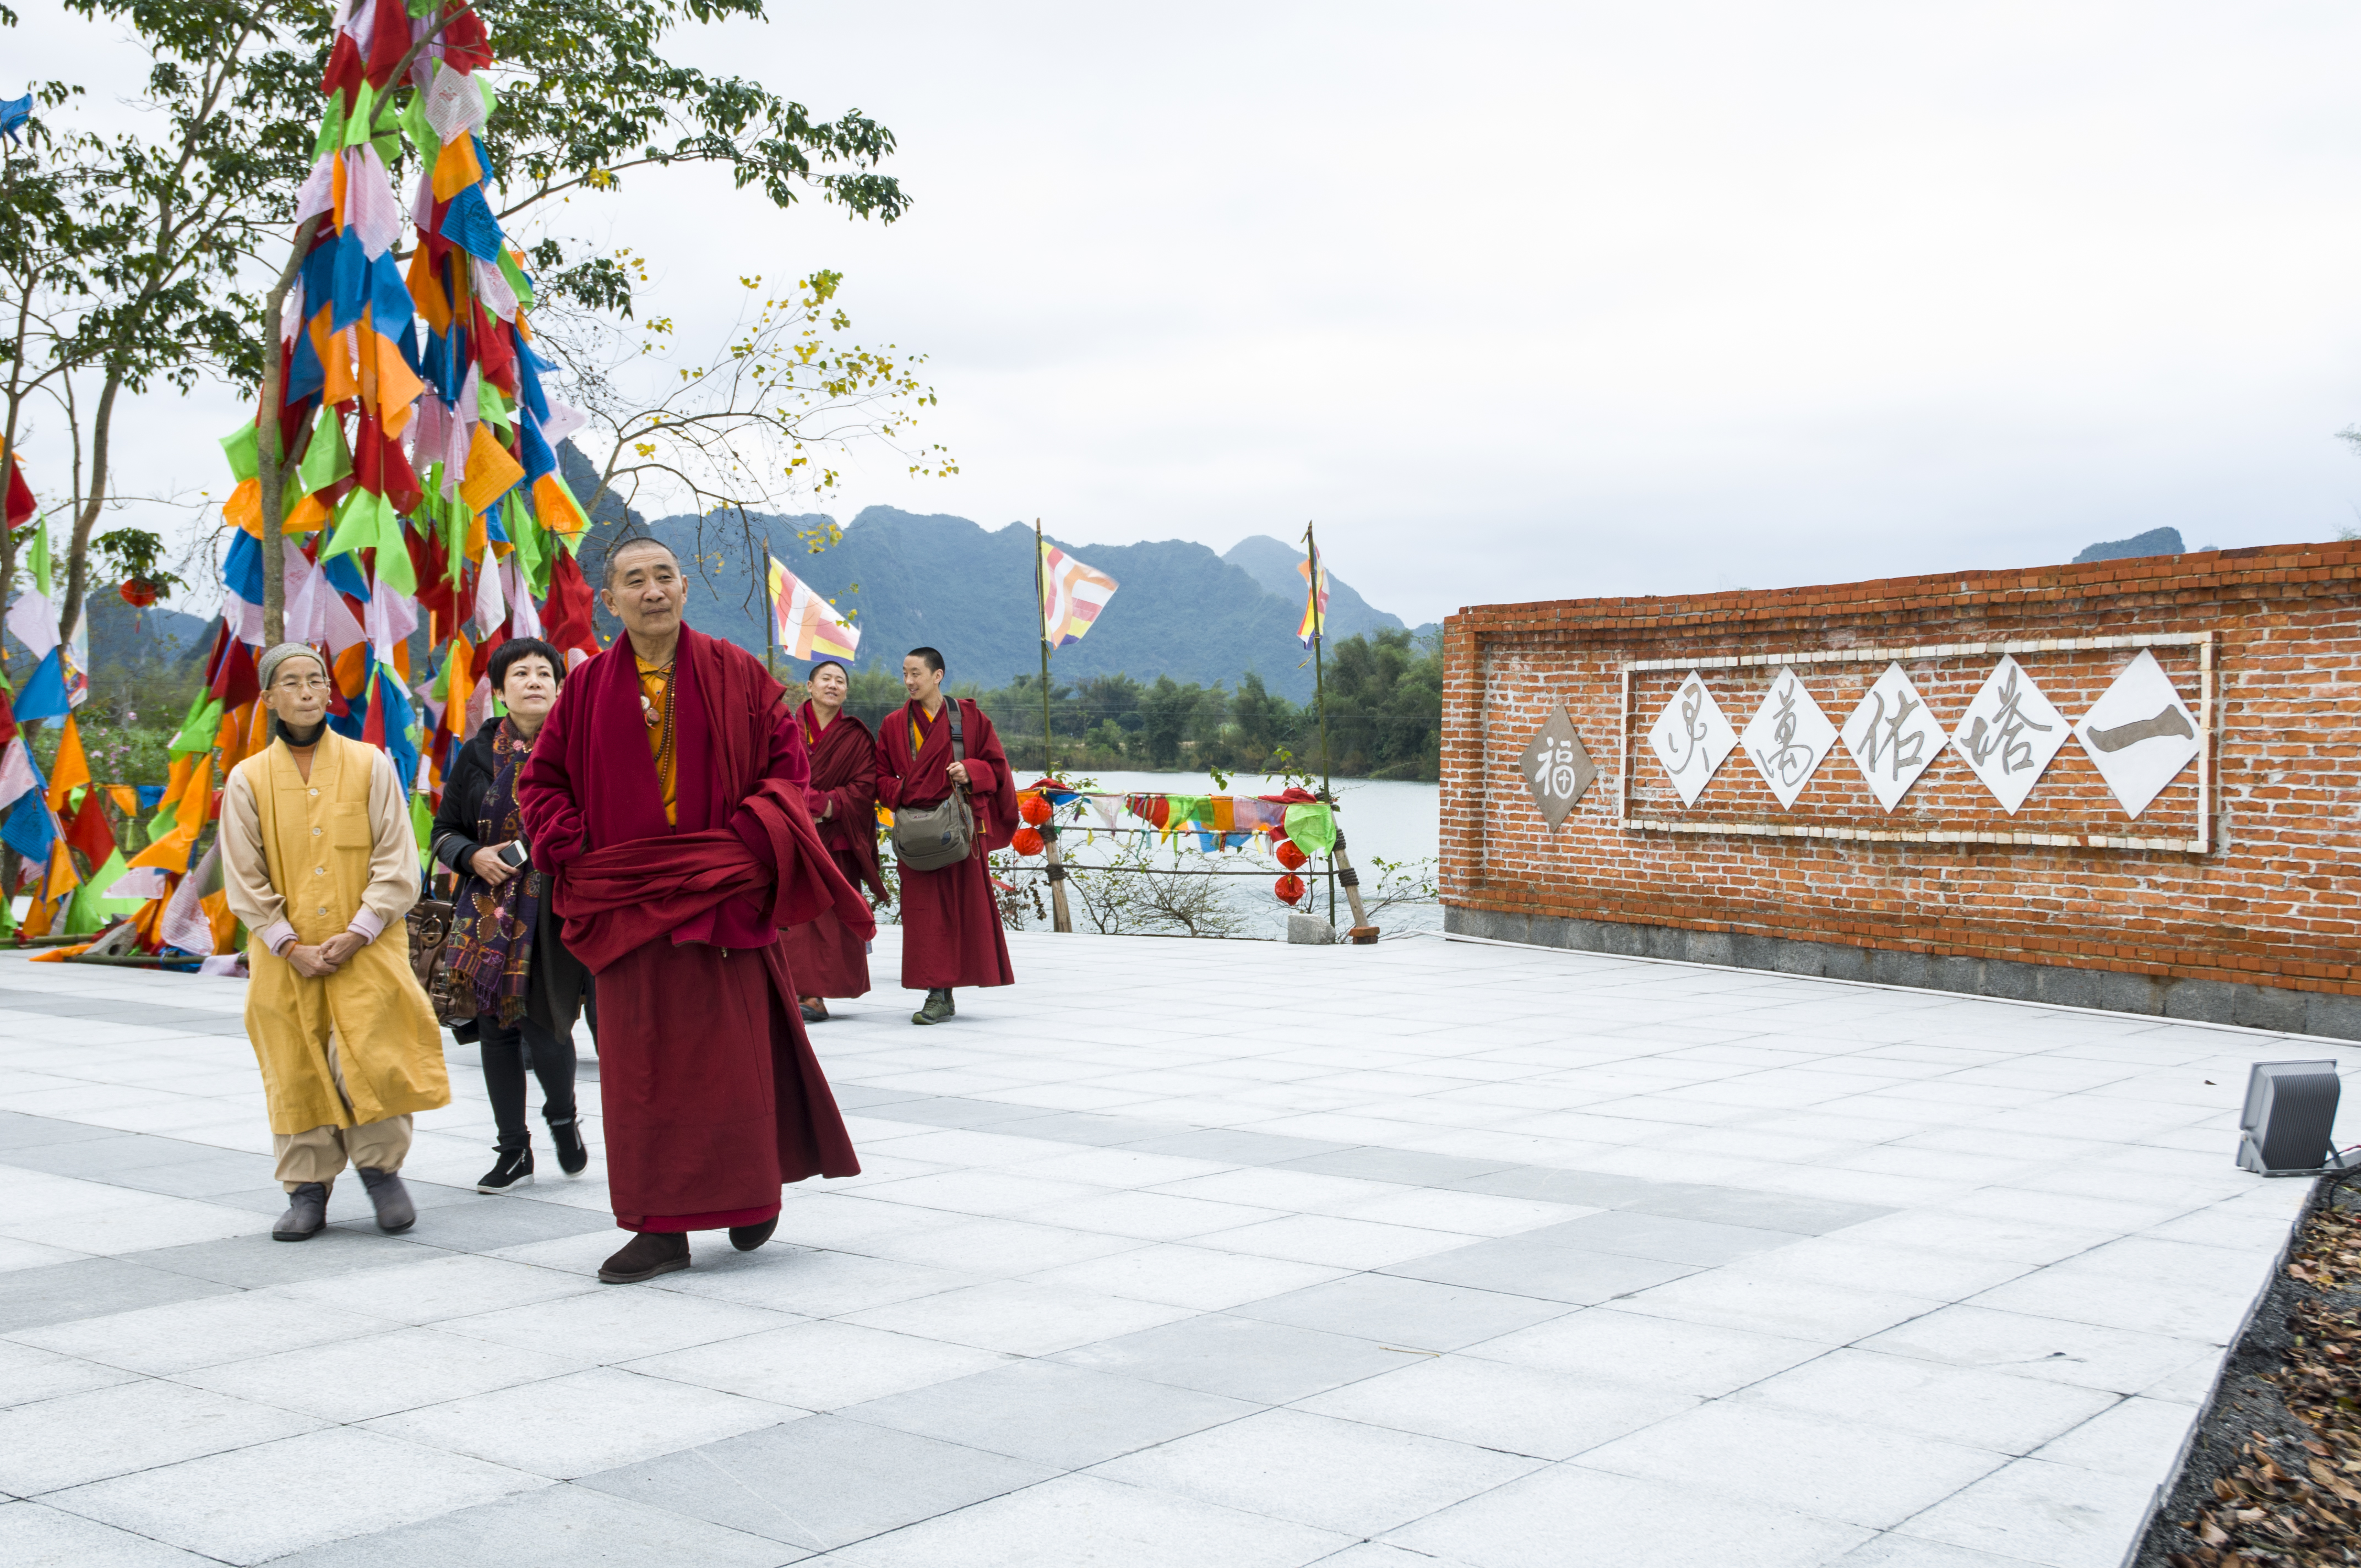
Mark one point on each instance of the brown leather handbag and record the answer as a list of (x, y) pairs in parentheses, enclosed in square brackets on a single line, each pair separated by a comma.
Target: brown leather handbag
[(429, 921)]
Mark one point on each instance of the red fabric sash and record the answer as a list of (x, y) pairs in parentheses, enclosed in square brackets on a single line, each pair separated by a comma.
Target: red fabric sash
[(594, 809), (844, 773)]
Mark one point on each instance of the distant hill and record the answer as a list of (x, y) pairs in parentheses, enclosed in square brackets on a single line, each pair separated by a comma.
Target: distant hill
[(1273, 563), (1179, 610), (2155, 542)]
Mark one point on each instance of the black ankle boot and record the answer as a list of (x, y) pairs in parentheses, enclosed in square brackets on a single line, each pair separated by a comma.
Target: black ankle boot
[(572, 1152), (307, 1213), (649, 1254), (746, 1238), (514, 1167)]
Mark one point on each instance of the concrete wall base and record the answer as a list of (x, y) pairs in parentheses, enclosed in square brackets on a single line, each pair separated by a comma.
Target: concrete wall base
[(2201, 1001)]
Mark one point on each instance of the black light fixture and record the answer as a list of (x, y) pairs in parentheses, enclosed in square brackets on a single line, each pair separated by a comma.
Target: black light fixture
[(2288, 1125)]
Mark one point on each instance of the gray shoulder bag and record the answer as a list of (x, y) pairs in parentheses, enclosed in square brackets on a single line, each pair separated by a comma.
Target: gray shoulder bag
[(928, 838)]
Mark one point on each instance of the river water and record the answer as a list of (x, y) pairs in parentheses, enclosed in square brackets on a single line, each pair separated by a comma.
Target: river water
[(1381, 819)]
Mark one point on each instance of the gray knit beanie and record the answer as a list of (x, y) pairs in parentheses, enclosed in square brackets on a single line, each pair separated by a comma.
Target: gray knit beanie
[(268, 666)]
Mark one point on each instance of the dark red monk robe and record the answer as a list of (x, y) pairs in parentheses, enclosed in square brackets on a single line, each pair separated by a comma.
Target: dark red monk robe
[(950, 927), (827, 957), (711, 1094)]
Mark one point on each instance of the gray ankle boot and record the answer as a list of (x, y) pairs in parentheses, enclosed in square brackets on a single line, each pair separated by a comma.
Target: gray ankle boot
[(307, 1213), (391, 1198)]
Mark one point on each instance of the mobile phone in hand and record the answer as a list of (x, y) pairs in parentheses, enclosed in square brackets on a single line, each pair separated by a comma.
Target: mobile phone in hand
[(512, 853)]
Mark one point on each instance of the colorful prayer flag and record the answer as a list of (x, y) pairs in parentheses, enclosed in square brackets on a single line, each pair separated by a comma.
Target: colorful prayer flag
[(1071, 596), (807, 626), (1316, 604)]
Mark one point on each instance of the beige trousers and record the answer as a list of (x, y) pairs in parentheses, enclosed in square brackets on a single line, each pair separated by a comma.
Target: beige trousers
[(319, 1154)]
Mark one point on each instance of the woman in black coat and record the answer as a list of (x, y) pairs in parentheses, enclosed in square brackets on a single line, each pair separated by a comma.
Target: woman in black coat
[(505, 946)]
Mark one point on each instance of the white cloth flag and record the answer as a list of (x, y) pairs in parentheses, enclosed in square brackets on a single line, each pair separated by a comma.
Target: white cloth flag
[(17, 776), (34, 620)]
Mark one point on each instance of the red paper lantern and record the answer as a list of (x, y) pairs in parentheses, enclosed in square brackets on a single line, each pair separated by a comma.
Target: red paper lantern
[(137, 592), (1290, 856), (1034, 808), (1025, 841), (1290, 889)]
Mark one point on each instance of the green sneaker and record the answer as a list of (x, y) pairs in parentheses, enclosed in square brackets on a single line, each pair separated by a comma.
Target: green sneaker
[(937, 1009)]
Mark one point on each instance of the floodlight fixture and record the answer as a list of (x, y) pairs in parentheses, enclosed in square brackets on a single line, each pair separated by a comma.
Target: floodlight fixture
[(2288, 1127)]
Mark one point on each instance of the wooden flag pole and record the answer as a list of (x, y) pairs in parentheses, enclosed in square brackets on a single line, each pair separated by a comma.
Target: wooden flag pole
[(762, 592), (1340, 865), (1061, 914)]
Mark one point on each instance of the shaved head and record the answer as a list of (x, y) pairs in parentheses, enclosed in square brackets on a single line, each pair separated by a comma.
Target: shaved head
[(641, 541)]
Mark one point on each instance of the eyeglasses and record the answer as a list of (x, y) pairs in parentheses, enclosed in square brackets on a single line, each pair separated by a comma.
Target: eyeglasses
[(300, 683)]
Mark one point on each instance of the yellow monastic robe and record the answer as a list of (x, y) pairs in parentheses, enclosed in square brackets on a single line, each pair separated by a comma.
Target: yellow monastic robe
[(317, 836)]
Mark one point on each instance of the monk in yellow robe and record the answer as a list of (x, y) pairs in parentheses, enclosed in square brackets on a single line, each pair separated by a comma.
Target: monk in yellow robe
[(319, 860)]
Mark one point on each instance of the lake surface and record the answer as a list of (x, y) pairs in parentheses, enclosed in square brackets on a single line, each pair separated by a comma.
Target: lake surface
[(1381, 819)]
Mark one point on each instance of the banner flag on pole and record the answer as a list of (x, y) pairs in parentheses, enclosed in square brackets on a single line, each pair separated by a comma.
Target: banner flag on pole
[(807, 625), (1071, 596), (1315, 605)]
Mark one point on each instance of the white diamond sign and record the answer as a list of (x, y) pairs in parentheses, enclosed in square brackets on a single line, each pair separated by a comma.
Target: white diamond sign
[(2009, 733), (1892, 737), (2139, 733), (1788, 737), (1691, 738)]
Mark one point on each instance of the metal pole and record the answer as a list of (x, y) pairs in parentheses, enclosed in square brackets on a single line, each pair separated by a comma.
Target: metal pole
[(1061, 913), (1320, 697)]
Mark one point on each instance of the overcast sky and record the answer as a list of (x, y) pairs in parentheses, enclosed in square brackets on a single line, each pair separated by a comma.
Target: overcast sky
[(1544, 301)]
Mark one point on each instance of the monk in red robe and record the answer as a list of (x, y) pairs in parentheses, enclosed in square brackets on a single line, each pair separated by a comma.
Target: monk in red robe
[(950, 927), (827, 957), (665, 795)]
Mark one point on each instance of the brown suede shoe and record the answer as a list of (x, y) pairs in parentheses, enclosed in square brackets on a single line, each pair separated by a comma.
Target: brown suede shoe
[(647, 1255)]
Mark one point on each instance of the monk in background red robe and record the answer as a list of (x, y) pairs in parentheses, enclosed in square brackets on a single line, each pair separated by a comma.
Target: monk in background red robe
[(665, 795), (950, 927), (827, 957)]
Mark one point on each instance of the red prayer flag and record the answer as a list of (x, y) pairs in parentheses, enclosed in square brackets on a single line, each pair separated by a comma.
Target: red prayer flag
[(89, 832)]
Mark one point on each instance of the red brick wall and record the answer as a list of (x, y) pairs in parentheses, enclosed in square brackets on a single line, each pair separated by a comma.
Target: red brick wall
[(2275, 902)]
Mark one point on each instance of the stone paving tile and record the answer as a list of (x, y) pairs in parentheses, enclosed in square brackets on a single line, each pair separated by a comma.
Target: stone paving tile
[(1521, 1232), (34, 1535), (818, 1483), (1064, 1417)]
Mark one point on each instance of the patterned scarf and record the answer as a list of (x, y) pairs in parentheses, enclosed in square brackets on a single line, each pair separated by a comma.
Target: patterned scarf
[(493, 944)]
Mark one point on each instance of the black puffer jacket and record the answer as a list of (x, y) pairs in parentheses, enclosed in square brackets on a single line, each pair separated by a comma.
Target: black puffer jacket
[(554, 995)]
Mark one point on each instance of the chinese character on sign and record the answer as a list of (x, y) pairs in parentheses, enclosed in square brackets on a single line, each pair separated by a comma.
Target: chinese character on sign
[(1788, 737), (2009, 734), (1893, 737), (1557, 770), (1691, 738)]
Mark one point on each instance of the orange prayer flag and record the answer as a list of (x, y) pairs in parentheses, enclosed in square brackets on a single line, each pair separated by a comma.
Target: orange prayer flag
[(352, 670), (337, 356), (457, 167), (462, 683), (62, 876), (309, 516), (397, 385), (224, 924), (491, 472), (38, 917), (426, 292), (243, 507), (71, 769), (126, 799)]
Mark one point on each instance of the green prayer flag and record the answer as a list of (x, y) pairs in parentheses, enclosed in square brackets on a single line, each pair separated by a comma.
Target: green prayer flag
[(326, 459), (494, 404), (515, 275), (332, 128), (420, 130), (36, 559), (1313, 827), (422, 824), (244, 450), (356, 124), (87, 913), (197, 728), (394, 569), (358, 523)]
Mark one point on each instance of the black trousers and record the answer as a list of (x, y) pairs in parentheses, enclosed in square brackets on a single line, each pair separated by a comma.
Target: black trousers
[(506, 1049)]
